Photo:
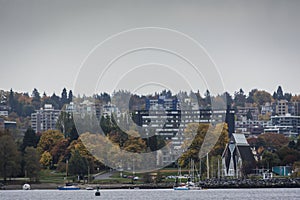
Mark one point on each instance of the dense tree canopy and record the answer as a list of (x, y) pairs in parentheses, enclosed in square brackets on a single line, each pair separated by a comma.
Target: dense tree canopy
[(262, 97), (32, 165), (46, 159), (36, 99), (9, 157), (55, 147), (64, 98), (66, 125), (78, 164), (240, 98), (48, 140), (30, 139), (217, 140)]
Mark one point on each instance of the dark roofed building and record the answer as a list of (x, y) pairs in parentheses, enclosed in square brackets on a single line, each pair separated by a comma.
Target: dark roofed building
[(10, 125), (237, 157)]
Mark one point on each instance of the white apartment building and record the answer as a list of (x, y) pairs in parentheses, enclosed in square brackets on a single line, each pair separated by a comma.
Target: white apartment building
[(44, 119)]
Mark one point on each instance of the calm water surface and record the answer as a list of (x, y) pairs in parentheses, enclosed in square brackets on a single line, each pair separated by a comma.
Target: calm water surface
[(232, 194)]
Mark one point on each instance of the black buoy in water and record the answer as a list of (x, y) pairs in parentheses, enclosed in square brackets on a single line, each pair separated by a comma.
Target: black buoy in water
[(97, 193)]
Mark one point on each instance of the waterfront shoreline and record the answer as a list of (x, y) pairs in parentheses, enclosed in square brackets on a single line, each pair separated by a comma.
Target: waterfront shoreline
[(209, 184)]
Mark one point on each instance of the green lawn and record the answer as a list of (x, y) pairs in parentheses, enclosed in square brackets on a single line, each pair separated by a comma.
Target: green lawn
[(51, 176)]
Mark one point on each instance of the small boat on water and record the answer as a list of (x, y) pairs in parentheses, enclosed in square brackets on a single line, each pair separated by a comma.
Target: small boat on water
[(68, 186), (195, 188), (189, 185), (192, 186), (181, 187), (89, 188), (26, 186)]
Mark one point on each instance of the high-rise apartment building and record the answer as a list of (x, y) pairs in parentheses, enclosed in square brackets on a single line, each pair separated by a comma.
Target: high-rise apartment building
[(45, 118)]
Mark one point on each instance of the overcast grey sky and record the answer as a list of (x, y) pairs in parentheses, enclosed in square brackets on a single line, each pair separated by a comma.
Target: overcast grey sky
[(255, 44)]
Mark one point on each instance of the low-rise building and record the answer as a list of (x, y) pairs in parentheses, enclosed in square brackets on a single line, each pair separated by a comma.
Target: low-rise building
[(3, 113), (288, 125), (83, 109), (162, 103), (251, 127), (4, 110), (243, 112), (109, 109), (267, 108), (282, 170), (10, 125)]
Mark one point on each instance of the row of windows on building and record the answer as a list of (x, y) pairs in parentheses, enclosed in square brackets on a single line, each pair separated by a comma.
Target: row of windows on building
[(46, 117)]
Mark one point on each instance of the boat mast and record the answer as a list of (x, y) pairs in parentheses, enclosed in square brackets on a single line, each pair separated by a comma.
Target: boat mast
[(218, 169), (200, 169), (207, 165), (67, 164)]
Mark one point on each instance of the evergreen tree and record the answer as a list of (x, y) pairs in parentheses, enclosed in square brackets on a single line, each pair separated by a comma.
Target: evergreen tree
[(78, 165), (280, 93), (65, 124), (239, 98), (228, 98), (30, 139), (32, 165), (207, 98), (36, 99), (250, 98), (55, 101), (9, 157), (73, 133), (11, 101), (103, 97), (70, 96), (64, 98), (27, 110), (288, 96)]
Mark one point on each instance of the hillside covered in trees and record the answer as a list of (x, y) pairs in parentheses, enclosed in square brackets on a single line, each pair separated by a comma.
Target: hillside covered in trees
[(24, 152)]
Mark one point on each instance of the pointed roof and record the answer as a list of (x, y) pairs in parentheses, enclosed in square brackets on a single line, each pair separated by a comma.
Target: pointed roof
[(240, 139), (242, 150)]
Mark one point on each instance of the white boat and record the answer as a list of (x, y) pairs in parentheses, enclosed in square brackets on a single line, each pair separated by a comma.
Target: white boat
[(195, 187), (89, 188), (190, 185), (182, 187), (26, 186)]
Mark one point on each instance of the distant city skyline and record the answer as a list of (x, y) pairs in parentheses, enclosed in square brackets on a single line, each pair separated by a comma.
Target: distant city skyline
[(254, 44)]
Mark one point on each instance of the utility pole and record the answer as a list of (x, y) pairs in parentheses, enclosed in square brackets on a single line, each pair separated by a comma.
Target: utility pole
[(67, 164), (218, 169), (207, 165)]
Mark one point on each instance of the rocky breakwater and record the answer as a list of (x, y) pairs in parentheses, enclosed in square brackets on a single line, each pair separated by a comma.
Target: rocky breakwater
[(251, 183)]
